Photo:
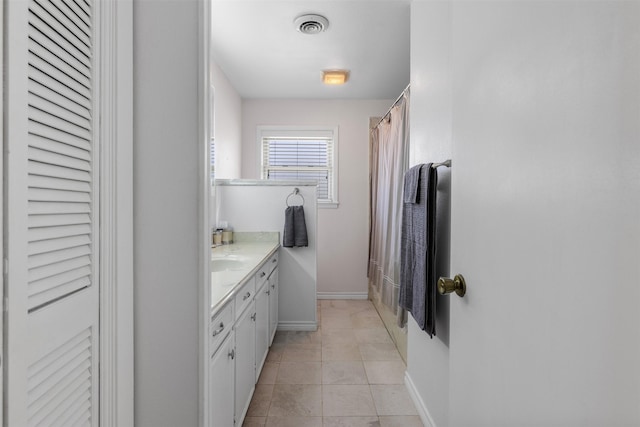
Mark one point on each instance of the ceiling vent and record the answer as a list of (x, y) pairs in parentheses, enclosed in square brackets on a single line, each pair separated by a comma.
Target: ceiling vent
[(311, 24)]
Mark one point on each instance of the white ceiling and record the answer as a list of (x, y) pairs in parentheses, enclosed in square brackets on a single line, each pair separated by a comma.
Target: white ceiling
[(262, 54)]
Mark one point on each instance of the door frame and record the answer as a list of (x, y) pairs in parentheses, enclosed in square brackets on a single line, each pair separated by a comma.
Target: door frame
[(205, 129), (115, 66), (2, 226)]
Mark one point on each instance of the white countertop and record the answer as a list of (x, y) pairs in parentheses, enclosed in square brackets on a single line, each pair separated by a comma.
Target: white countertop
[(236, 264)]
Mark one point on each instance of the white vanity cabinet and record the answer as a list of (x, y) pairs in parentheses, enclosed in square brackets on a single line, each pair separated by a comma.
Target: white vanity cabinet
[(262, 326), (221, 368), (239, 338), (221, 381), (273, 304), (270, 270), (263, 311), (245, 333)]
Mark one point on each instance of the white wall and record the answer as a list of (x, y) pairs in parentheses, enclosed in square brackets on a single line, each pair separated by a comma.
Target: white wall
[(545, 108), (227, 122), (166, 212), (342, 232), (249, 207)]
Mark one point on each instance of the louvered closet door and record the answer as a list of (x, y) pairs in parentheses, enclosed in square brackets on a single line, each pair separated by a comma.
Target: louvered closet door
[(51, 210)]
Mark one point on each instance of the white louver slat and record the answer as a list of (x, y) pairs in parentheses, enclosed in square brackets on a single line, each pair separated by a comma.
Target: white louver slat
[(37, 181), (57, 220), (58, 268), (46, 246), (51, 289), (36, 208), (47, 170), (52, 258), (60, 381), (54, 232)]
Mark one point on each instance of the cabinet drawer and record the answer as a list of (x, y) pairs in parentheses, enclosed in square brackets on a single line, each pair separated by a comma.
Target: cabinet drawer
[(219, 327), (261, 276), (272, 263), (245, 296)]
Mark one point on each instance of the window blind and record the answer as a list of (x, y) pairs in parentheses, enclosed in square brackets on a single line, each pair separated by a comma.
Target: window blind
[(212, 160), (295, 158)]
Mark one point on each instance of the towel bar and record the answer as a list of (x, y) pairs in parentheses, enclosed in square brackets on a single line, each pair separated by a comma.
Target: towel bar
[(446, 163)]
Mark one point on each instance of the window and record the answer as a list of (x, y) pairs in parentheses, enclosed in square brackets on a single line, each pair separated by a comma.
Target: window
[(212, 161), (212, 138), (301, 153)]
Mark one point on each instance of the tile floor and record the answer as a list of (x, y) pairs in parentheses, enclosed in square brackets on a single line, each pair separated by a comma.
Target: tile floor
[(346, 374)]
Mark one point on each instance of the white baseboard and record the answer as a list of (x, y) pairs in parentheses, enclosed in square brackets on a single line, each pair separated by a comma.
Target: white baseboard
[(342, 295), (423, 412), (297, 326)]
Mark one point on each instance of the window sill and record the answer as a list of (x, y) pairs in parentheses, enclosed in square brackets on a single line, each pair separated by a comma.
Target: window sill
[(328, 205)]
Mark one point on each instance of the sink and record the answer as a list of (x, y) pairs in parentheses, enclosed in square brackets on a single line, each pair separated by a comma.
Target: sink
[(227, 256), (226, 264)]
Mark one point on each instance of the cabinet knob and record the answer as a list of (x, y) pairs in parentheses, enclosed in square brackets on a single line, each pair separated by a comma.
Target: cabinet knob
[(248, 295), (253, 317), (274, 260), (263, 274), (232, 354), (219, 330), (268, 292), (273, 286)]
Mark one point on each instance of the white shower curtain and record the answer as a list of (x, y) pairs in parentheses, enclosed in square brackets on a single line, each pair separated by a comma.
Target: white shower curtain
[(388, 163)]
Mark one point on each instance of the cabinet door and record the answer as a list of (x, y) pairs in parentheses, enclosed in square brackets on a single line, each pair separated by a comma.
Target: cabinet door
[(245, 332), (221, 381), (273, 304), (262, 326)]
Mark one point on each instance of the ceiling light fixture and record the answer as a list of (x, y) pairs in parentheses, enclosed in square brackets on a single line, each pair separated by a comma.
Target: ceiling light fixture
[(311, 24), (335, 77)]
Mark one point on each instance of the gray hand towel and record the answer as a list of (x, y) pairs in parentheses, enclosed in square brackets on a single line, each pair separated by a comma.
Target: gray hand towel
[(295, 228), (418, 250)]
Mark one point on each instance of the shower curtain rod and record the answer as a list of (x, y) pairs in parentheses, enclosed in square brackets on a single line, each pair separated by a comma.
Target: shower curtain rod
[(392, 105)]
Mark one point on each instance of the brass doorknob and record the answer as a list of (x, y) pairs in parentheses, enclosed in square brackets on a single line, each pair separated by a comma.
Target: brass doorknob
[(457, 285)]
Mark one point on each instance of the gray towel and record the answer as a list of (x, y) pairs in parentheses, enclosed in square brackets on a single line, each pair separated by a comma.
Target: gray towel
[(418, 250), (295, 227), (411, 184)]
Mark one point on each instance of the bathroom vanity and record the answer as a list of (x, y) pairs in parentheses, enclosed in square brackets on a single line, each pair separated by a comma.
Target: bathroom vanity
[(258, 206), (256, 287), (244, 319)]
